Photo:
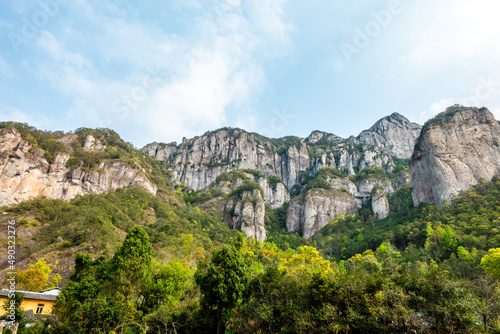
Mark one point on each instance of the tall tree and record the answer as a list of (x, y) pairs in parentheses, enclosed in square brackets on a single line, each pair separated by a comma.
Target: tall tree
[(224, 282), (131, 263)]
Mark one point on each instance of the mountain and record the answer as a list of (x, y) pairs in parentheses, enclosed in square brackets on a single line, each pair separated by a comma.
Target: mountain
[(455, 150), (394, 134), (68, 164), (240, 177), (280, 169)]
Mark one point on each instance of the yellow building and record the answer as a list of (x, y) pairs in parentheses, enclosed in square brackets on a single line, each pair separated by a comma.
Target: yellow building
[(34, 302)]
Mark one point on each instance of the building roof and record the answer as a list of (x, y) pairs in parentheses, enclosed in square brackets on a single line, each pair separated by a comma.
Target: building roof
[(52, 291), (31, 295)]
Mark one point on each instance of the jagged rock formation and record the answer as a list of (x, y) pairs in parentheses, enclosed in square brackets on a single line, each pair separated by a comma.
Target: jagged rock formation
[(246, 213), (25, 173), (198, 161), (364, 189), (314, 209), (93, 145), (275, 193), (454, 151), (394, 134), (380, 204), (238, 197)]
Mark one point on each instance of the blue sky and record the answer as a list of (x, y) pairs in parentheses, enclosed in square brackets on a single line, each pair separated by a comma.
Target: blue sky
[(162, 70)]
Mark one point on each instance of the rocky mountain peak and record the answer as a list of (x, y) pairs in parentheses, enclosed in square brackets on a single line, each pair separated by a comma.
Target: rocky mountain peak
[(394, 134), (395, 116), (455, 150)]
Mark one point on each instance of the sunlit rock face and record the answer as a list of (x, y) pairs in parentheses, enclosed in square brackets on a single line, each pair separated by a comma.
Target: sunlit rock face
[(394, 134), (454, 151), (25, 173)]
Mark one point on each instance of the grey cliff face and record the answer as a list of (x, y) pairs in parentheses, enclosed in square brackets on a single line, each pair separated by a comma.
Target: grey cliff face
[(93, 145), (380, 204), (394, 134), (454, 151), (25, 174), (313, 210), (248, 212), (245, 210), (198, 161)]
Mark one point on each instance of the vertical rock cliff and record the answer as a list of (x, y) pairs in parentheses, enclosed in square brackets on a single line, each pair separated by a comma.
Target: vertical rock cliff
[(454, 151), (238, 197), (380, 204), (246, 213), (315, 208)]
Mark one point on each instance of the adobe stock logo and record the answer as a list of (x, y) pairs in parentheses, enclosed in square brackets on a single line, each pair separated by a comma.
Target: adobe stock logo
[(32, 26), (488, 87), (127, 102), (363, 37)]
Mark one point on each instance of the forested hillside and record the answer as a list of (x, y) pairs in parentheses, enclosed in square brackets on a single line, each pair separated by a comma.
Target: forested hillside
[(426, 269)]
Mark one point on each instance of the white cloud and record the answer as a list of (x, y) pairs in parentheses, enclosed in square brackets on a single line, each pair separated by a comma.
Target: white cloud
[(198, 77), (452, 31)]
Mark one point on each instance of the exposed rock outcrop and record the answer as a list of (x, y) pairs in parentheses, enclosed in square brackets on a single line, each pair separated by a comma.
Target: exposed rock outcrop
[(25, 173), (394, 134), (93, 145), (364, 193), (454, 151), (246, 213), (198, 161), (275, 195), (380, 204), (313, 210), (240, 203)]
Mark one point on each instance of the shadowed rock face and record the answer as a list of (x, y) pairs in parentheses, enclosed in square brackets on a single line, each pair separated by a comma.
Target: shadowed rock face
[(394, 134), (248, 214), (454, 151), (24, 175), (316, 208)]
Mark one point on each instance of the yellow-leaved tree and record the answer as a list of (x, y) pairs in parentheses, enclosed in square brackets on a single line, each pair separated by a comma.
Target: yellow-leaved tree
[(307, 260), (36, 278), (491, 262)]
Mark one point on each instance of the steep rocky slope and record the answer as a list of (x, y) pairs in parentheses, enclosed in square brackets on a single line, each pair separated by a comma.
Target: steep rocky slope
[(380, 204), (454, 151), (394, 134), (263, 171), (198, 161), (315, 208), (330, 193), (25, 171), (238, 199)]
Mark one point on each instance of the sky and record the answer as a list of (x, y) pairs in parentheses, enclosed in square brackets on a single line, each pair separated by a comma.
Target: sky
[(164, 70)]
